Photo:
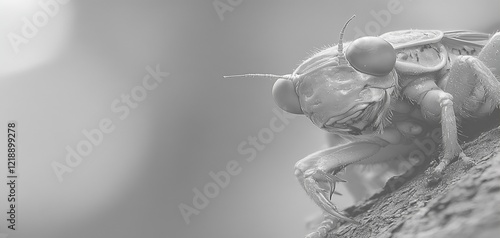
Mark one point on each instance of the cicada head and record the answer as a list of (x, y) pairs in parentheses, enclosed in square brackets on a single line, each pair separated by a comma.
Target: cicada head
[(339, 98), (348, 93), (342, 93)]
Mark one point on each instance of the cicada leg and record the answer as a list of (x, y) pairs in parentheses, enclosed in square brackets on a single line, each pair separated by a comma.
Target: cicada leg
[(471, 91), (451, 148), (317, 174), (438, 105)]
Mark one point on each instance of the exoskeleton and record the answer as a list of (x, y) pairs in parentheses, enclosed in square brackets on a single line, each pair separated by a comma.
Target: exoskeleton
[(375, 94)]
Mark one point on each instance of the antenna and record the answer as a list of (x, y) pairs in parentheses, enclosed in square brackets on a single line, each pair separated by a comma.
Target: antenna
[(342, 61), (288, 76), (340, 46)]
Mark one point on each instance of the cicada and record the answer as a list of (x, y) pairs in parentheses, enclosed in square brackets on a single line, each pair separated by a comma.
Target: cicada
[(384, 90)]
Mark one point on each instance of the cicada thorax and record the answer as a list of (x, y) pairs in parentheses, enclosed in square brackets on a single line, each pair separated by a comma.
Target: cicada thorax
[(424, 59), (430, 53), (430, 58), (430, 61), (427, 56)]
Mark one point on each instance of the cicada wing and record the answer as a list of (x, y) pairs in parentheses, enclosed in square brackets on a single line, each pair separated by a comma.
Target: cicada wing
[(469, 39)]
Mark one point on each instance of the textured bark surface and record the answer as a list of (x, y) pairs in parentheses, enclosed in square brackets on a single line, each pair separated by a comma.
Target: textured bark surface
[(465, 203)]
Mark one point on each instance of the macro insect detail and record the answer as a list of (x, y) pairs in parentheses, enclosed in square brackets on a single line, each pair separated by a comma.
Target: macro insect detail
[(377, 93)]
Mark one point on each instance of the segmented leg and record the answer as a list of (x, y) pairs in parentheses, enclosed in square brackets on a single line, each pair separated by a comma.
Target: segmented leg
[(451, 148), (471, 91), (357, 185), (317, 175)]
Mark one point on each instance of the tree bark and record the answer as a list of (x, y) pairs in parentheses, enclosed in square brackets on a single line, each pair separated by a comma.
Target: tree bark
[(464, 203)]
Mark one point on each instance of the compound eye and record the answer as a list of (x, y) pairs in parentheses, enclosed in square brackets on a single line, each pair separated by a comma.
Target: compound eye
[(285, 96), (371, 55)]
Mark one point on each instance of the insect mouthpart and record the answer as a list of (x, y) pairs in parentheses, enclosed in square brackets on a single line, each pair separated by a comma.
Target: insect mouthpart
[(344, 128), (345, 124), (367, 116)]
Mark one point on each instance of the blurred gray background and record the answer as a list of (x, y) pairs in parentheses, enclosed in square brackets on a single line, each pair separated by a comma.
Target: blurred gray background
[(65, 77)]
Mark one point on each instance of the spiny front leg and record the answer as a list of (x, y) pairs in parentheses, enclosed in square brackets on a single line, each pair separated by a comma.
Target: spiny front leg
[(317, 175)]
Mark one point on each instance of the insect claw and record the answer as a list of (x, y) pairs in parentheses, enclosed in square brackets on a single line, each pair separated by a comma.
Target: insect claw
[(332, 210), (332, 189), (313, 182), (324, 176), (337, 179), (334, 192)]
